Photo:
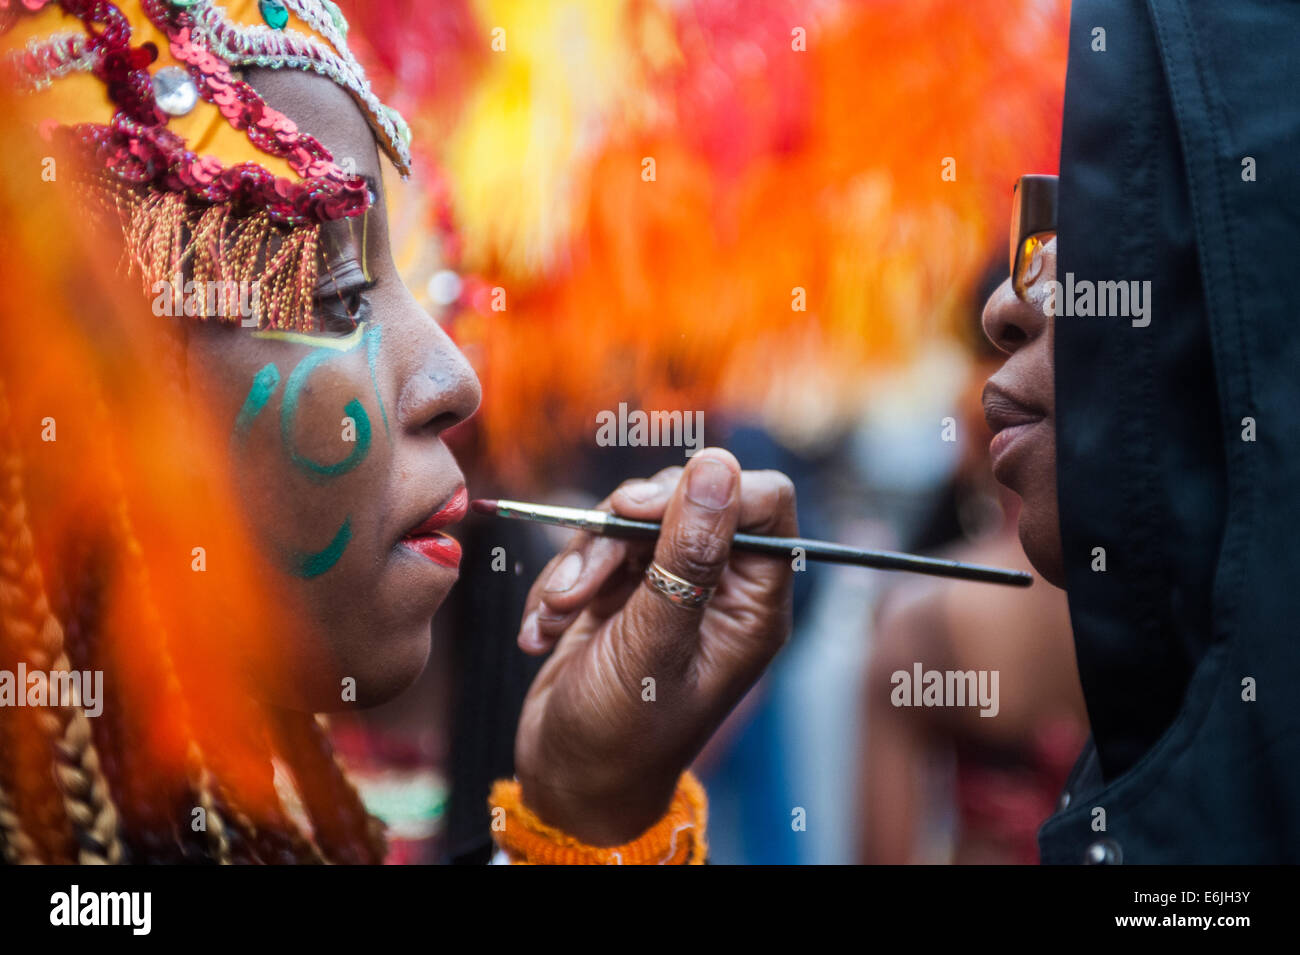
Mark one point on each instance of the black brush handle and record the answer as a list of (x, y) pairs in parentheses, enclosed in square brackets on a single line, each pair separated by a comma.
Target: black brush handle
[(830, 553)]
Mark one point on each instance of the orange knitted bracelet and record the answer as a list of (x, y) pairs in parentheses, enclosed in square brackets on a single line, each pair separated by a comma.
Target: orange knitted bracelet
[(676, 839)]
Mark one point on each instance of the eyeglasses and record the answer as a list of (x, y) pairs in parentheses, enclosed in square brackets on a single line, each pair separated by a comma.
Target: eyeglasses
[(1033, 224)]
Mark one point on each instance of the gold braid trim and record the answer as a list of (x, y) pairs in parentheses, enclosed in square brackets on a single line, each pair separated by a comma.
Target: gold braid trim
[(201, 782), (16, 847), (86, 798), (89, 804), (376, 834), (343, 828)]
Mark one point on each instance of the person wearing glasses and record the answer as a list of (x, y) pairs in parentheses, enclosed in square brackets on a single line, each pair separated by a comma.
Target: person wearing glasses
[(1158, 460), (947, 784)]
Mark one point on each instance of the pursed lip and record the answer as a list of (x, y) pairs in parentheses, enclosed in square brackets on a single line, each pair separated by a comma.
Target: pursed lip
[(1003, 410), (1008, 417), (426, 537)]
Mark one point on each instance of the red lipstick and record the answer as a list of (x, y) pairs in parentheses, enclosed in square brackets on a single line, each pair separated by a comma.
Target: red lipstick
[(427, 539)]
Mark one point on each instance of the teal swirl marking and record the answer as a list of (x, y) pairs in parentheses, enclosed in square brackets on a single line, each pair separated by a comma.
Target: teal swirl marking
[(264, 385), (267, 380), (372, 337), (316, 470), (308, 566)]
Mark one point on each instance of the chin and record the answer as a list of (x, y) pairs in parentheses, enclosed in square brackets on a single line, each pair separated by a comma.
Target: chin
[(379, 673), (1040, 535), (385, 675)]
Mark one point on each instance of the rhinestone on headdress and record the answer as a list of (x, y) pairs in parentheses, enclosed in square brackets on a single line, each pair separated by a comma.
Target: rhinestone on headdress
[(174, 91), (174, 201)]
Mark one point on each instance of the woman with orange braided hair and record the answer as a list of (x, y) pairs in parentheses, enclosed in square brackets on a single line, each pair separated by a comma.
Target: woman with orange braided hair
[(234, 509)]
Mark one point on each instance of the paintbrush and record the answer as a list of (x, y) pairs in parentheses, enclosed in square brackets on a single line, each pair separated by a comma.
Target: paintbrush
[(611, 525)]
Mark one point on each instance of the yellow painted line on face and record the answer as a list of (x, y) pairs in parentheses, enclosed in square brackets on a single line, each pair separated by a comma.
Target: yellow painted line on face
[(316, 341)]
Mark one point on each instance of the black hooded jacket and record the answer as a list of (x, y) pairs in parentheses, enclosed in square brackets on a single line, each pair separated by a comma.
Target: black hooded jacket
[(1179, 441)]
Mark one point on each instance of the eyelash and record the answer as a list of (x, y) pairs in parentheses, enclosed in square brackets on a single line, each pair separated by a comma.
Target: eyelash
[(339, 312)]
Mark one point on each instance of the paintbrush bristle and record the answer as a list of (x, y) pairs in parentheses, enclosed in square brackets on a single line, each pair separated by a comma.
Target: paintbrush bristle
[(482, 506)]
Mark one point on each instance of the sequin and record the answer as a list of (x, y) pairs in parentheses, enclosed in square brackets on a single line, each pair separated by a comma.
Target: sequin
[(277, 49), (174, 91), (275, 13), (138, 149)]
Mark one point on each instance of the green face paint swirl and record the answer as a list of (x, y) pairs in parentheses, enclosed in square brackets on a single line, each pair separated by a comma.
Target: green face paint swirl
[(264, 384), (308, 566), (317, 470), (372, 337)]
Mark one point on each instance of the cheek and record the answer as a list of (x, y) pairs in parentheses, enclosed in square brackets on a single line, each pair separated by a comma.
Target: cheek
[(308, 456), (307, 427), (307, 462)]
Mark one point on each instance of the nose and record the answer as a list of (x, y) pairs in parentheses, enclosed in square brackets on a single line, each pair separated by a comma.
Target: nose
[(1010, 323), (441, 389)]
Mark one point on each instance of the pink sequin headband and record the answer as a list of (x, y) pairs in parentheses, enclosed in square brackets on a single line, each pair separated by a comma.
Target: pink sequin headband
[(160, 184)]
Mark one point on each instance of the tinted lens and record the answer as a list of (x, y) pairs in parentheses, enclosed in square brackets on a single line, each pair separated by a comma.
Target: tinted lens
[(1028, 265), (1033, 223)]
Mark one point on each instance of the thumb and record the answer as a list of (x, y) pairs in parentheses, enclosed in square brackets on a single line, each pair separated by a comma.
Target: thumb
[(694, 546)]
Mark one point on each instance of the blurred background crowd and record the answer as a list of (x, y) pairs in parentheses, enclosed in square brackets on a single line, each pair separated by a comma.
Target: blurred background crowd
[(786, 215)]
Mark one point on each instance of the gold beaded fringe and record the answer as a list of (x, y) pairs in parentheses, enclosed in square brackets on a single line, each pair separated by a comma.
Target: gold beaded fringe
[(171, 241)]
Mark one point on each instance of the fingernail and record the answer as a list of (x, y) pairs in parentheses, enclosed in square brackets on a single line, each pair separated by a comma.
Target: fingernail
[(566, 574), (710, 484), (640, 490), (529, 635)]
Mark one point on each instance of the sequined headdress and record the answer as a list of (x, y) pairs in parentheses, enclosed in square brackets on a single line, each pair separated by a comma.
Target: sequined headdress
[(208, 180)]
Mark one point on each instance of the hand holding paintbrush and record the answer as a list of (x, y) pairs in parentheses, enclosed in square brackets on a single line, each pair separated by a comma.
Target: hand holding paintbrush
[(659, 653), (647, 665)]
